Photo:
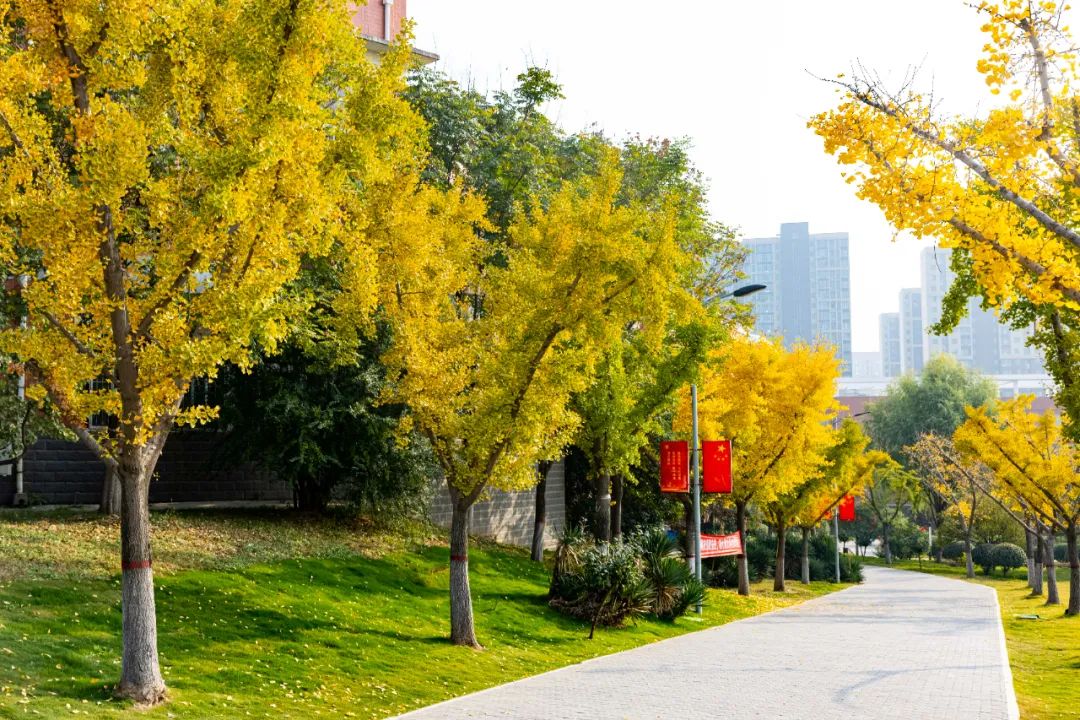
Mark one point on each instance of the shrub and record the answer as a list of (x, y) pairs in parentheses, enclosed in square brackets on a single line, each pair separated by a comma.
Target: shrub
[(980, 555), (608, 583), (851, 569), (606, 587), (1007, 556), (907, 540), (953, 551)]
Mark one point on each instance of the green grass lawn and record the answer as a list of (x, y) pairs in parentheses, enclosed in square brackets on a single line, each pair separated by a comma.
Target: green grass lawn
[(265, 615), (1044, 654)]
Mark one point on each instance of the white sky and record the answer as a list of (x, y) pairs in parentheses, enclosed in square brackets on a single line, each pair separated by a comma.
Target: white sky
[(732, 77)]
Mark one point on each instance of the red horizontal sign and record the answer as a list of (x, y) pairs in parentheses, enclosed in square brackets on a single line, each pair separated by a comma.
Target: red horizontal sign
[(720, 545), (674, 466), (716, 466)]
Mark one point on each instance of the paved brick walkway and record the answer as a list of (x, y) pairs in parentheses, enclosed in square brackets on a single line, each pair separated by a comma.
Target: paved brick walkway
[(903, 645)]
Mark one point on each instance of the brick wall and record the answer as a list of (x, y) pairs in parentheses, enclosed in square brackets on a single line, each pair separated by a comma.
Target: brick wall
[(508, 517), (369, 18), (56, 472)]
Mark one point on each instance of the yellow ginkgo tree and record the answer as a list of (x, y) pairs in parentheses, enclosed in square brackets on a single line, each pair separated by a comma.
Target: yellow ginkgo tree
[(165, 166), (1001, 185), (491, 341), (846, 468), (1034, 462), (775, 406), (955, 478)]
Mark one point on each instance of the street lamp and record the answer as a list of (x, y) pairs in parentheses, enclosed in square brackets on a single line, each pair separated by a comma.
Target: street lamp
[(836, 512), (738, 292)]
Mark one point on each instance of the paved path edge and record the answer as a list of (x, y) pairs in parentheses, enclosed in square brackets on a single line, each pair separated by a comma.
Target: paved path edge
[(484, 691)]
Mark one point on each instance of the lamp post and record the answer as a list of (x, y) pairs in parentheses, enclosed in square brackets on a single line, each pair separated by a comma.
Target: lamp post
[(695, 443), (836, 512)]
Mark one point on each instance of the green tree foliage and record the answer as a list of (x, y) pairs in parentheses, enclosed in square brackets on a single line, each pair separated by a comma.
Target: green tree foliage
[(320, 427)]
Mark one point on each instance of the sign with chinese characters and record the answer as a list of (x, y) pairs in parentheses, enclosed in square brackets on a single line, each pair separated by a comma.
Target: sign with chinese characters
[(721, 545), (716, 466), (674, 466)]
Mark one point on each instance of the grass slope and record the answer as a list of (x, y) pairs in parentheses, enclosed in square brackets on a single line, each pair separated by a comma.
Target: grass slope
[(262, 615), (1044, 654)]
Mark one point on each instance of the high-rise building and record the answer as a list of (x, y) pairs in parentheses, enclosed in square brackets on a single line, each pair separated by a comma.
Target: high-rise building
[(889, 332), (808, 294), (911, 331), (866, 364), (979, 341)]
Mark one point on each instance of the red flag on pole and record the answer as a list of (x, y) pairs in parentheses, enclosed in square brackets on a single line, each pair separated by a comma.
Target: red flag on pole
[(847, 508), (716, 466), (674, 466)]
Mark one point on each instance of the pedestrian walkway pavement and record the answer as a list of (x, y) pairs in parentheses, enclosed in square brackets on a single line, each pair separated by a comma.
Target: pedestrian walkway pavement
[(903, 645)]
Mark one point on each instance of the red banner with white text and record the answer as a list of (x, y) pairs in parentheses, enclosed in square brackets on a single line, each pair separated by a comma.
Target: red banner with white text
[(674, 466), (720, 545)]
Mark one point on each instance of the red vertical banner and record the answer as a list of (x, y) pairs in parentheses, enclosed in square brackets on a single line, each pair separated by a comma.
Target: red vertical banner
[(716, 466), (847, 508), (674, 466)]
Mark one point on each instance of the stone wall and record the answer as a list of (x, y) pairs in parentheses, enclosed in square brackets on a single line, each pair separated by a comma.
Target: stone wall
[(56, 472), (508, 517)]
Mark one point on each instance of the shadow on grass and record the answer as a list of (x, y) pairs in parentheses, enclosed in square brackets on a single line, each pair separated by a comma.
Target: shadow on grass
[(292, 623)]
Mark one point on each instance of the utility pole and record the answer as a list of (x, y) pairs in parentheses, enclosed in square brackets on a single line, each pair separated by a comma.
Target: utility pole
[(696, 444)]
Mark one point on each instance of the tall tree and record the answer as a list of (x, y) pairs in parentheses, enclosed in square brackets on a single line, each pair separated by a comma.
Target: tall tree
[(488, 354), (164, 167), (933, 402), (774, 406), (1036, 463), (887, 497), (845, 467), (944, 473), (639, 375)]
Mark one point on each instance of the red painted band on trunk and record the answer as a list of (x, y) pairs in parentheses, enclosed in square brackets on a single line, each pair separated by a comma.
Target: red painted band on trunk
[(134, 564), (459, 558)]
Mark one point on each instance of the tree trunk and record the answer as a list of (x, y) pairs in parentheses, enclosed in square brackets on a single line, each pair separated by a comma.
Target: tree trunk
[(140, 673), (540, 516), (1052, 597), (461, 614), (744, 570), (805, 569), (885, 549), (602, 511), (1037, 585), (967, 556), (1029, 547), (1074, 570), (110, 492), (616, 506), (781, 551), (938, 548)]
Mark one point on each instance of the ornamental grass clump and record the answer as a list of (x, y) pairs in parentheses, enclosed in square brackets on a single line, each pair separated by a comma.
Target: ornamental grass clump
[(609, 583)]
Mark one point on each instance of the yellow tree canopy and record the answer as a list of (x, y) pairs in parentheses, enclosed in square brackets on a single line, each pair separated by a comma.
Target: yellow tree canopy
[(164, 168), (488, 352), (848, 468), (1000, 186), (1030, 458), (775, 406)]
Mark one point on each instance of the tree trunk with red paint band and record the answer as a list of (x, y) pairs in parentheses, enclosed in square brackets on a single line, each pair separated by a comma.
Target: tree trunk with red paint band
[(462, 631), (140, 674)]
